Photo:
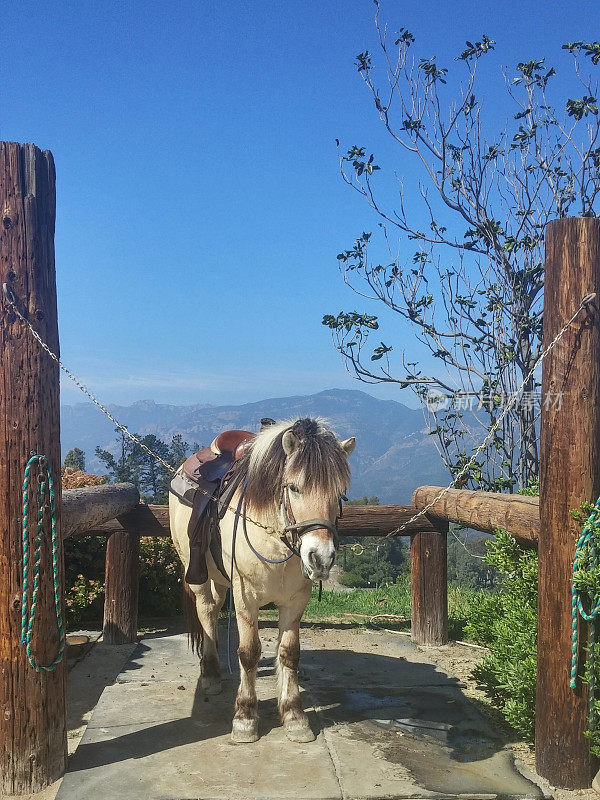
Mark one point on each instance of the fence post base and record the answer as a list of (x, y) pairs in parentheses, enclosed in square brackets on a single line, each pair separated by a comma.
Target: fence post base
[(429, 586), (121, 591)]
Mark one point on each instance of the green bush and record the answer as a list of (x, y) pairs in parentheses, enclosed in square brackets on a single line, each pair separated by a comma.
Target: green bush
[(160, 579), (506, 623), (84, 601)]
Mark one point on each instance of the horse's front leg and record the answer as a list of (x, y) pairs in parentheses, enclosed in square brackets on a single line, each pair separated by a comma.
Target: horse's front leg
[(245, 719), (292, 715)]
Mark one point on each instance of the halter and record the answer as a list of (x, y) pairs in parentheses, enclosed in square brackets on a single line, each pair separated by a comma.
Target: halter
[(298, 529)]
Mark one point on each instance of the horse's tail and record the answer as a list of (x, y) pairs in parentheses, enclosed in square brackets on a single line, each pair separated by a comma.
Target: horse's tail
[(192, 621)]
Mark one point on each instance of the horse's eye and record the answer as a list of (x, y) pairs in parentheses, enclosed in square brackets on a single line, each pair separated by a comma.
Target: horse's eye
[(293, 488)]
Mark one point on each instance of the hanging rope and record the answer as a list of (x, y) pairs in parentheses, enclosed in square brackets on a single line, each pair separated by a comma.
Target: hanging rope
[(586, 562), (45, 491)]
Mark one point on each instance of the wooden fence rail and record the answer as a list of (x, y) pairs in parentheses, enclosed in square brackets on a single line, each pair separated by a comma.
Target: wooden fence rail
[(484, 511), (85, 509)]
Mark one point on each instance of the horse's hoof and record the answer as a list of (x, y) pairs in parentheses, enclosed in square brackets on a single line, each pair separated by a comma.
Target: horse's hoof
[(299, 733), (244, 732), (211, 685)]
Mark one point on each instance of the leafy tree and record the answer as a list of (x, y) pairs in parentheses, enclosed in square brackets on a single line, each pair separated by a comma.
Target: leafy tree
[(364, 501), (153, 476), (378, 564), (75, 459), (471, 282), (179, 450), (135, 465), (125, 468)]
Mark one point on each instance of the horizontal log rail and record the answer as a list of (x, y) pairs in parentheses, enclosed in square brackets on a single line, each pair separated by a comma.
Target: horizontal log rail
[(115, 508), (484, 511), (84, 509), (153, 520)]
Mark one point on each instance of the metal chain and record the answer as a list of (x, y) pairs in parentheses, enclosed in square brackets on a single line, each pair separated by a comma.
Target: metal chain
[(11, 299), (511, 402)]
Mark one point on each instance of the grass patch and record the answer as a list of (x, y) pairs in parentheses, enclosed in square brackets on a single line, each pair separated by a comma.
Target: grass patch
[(393, 600)]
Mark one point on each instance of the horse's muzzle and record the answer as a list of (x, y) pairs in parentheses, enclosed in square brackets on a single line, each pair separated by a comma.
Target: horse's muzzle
[(317, 568)]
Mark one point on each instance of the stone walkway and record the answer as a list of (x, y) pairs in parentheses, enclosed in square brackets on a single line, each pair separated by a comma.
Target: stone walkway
[(388, 725)]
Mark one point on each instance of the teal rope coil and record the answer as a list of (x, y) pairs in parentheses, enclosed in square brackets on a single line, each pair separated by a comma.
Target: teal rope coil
[(45, 487)]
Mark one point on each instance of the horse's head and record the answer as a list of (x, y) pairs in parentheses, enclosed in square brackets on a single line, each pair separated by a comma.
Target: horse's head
[(296, 474), (315, 477)]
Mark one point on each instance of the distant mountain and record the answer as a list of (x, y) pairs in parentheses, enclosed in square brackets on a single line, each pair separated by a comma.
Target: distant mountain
[(393, 454)]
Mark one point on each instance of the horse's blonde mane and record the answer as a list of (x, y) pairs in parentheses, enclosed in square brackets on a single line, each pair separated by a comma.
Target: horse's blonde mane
[(319, 464)]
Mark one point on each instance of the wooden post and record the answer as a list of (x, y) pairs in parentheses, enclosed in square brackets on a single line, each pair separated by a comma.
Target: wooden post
[(570, 474), (33, 743), (121, 588), (429, 586)]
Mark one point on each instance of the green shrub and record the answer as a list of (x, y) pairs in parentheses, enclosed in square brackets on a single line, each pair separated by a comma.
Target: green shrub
[(84, 601), (160, 578), (506, 623)]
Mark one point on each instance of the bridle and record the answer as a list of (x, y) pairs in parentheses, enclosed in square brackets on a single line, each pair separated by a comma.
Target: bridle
[(296, 530)]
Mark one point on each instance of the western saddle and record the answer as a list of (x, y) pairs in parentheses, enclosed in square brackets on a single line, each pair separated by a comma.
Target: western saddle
[(206, 483)]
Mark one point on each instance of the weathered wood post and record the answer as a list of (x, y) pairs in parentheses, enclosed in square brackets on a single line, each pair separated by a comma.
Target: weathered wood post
[(32, 705), (429, 585), (570, 474), (121, 587)]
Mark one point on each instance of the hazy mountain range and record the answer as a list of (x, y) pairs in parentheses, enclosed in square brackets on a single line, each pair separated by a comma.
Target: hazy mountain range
[(393, 454)]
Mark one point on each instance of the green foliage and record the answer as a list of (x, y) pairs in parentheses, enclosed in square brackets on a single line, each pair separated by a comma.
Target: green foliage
[(75, 459), (506, 623), (533, 490), (586, 580), (364, 501), (84, 601), (466, 565), (378, 563), (160, 578)]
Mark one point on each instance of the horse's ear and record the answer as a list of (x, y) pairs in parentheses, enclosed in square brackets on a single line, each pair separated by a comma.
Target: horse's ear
[(290, 442), (348, 445)]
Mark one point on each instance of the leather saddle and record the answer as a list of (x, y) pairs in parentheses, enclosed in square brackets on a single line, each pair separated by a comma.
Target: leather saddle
[(204, 479), (212, 463)]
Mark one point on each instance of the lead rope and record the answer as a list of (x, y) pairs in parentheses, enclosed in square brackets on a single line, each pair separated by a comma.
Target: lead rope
[(45, 483), (590, 539)]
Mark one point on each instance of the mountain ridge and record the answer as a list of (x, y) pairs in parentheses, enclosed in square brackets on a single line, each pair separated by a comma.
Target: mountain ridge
[(394, 452)]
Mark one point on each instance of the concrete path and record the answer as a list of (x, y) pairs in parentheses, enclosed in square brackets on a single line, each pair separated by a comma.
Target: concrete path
[(388, 725)]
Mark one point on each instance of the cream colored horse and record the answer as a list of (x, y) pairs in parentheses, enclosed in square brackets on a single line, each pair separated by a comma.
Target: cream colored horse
[(295, 471)]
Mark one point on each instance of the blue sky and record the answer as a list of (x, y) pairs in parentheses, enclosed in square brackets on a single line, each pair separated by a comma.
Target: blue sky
[(199, 205)]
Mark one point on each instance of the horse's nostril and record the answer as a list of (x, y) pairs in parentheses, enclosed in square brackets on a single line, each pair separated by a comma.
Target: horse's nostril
[(312, 558)]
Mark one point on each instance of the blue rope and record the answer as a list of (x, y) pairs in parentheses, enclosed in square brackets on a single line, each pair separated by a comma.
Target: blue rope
[(233, 538)]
